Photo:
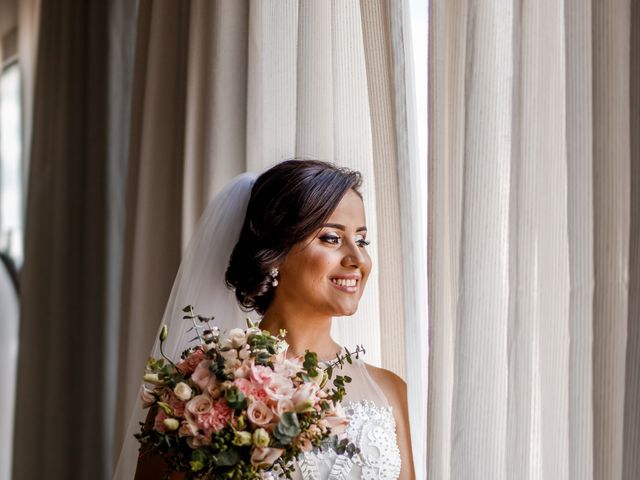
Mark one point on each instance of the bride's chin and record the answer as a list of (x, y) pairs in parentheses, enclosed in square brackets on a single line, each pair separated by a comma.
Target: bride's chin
[(347, 311)]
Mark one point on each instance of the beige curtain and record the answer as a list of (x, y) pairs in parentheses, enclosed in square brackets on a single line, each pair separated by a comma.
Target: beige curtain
[(534, 262), (60, 391), (227, 86)]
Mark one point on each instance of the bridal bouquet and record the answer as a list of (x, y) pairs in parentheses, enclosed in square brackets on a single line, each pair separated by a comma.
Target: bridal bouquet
[(235, 407)]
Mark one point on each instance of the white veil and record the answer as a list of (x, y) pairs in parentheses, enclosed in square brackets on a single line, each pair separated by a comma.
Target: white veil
[(199, 282)]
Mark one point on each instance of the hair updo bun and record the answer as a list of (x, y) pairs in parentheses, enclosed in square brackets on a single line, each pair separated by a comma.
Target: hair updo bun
[(288, 202)]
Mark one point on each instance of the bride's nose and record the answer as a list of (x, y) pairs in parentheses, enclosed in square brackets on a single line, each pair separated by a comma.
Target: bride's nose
[(353, 256)]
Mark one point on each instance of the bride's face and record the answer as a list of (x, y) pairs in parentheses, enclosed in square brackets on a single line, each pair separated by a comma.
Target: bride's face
[(328, 271)]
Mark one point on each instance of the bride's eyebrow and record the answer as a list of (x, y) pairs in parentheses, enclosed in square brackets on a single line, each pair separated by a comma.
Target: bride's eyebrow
[(342, 227)]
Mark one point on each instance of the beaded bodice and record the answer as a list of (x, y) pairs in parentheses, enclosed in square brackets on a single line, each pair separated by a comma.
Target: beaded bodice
[(372, 429)]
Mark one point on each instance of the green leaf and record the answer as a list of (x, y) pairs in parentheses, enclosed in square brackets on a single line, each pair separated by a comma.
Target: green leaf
[(228, 458), (287, 429), (235, 399)]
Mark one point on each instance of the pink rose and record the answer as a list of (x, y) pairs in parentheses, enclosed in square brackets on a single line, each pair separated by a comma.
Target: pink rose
[(305, 397), (260, 375), (245, 386), (284, 405), (202, 374), (259, 414), (261, 394), (279, 388), (265, 456), (200, 404)]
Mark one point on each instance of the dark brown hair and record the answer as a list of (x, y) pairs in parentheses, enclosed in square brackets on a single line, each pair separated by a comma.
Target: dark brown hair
[(288, 202)]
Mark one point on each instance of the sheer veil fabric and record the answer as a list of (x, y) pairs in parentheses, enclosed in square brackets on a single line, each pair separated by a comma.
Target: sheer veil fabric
[(199, 282)]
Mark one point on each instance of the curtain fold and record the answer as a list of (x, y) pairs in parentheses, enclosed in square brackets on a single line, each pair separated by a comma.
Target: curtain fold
[(60, 392), (532, 227)]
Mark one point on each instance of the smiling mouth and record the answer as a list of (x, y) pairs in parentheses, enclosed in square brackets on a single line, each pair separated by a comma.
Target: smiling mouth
[(349, 285)]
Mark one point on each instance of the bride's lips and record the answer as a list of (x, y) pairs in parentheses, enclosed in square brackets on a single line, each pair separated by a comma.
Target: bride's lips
[(346, 283)]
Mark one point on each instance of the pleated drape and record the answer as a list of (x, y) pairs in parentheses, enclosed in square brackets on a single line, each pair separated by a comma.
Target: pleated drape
[(60, 389), (226, 87), (533, 259)]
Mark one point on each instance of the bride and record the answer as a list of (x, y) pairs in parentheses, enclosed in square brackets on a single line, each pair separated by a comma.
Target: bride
[(299, 260)]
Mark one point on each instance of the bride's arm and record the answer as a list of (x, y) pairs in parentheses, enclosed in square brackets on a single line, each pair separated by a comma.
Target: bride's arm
[(395, 389)]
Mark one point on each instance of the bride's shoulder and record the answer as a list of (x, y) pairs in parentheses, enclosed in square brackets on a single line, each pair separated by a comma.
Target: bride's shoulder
[(394, 387)]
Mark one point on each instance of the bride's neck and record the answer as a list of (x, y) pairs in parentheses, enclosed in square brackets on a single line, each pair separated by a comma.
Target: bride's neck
[(304, 332)]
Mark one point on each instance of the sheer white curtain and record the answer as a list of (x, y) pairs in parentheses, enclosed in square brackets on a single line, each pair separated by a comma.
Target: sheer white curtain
[(254, 83), (534, 220)]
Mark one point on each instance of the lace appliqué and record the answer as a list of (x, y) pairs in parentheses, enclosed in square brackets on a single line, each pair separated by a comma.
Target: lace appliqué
[(372, 428)]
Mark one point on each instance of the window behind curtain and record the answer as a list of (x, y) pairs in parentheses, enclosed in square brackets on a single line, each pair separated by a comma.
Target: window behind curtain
[(11, 184)]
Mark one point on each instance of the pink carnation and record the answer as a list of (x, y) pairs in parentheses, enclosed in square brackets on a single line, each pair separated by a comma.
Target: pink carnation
[(189, 364), (217, 418)]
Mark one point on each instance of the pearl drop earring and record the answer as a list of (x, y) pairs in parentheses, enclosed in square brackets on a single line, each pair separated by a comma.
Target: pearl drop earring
[(274, 274)]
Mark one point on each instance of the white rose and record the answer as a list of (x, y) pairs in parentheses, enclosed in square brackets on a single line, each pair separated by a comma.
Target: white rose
[(244, 353), (237, 337), (183, 391)]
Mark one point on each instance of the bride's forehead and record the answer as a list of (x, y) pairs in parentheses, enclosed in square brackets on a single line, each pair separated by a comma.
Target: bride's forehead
[(349, 210)]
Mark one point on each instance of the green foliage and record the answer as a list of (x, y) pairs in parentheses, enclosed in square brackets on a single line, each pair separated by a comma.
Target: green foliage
[(287, 429), (235, 399)]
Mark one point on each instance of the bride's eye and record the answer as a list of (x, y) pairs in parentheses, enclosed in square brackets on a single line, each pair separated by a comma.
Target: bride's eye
[(363, 242), (331, 239)]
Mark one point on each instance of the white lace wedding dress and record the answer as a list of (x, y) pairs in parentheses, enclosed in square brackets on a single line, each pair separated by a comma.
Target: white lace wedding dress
[(372, 429)]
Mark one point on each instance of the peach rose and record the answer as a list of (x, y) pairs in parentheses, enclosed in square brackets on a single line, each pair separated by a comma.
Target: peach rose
[(202, 374), (200, 404), (259, 414)]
